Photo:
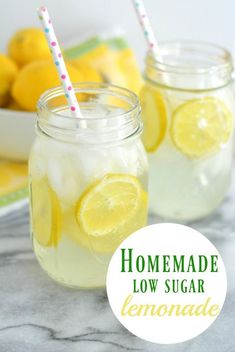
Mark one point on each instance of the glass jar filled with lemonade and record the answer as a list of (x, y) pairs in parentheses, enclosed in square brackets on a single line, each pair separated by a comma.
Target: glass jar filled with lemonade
[(188, 110), (88, 181)]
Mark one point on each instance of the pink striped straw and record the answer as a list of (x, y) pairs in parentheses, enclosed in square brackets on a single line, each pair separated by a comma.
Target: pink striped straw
[(147, 28), (59, 61)]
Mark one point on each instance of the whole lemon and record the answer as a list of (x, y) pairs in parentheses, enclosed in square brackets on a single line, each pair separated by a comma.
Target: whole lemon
[(28, 45), (35, 78), (8, 72)]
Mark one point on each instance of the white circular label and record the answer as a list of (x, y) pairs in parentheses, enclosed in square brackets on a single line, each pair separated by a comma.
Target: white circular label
[(166, 283)]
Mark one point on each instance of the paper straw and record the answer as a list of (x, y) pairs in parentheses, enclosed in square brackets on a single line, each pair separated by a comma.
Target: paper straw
[(59, 61), (149, 36), (147, 28)]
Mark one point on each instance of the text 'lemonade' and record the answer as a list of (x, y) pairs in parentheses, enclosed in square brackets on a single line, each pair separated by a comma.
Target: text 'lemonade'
[(88, 184), (188, 111)]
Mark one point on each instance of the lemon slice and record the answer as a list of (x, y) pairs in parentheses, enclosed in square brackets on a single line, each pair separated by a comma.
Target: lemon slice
[(154, 116), (46, 213), (201, 126), (109, 242), (110, 206)]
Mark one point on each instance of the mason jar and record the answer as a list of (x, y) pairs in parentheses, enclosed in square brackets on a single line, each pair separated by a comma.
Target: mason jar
[(88, 181), (188, 112)]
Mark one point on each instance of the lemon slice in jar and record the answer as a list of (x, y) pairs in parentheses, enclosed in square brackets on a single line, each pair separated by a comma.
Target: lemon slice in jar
[(154, 116), (111, 209), (201, 126), (46, 213)]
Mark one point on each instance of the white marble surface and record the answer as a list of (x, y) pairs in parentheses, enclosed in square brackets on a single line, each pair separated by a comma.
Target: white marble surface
[(38, 315)]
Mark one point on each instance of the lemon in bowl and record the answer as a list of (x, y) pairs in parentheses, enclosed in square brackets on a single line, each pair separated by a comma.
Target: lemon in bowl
[(37, 77), (27, 45), (18, 119), (8, 72)]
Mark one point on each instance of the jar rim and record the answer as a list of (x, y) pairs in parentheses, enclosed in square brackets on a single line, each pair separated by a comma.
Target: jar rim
[(91, 87), (114, 119), (202, 47)]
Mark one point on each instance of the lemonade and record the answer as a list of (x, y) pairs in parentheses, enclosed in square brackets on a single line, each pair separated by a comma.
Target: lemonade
[(188, 112), (88, 182)]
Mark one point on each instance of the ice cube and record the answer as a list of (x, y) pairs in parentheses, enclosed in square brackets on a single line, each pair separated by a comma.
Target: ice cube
[(37, 161), (64, 179)]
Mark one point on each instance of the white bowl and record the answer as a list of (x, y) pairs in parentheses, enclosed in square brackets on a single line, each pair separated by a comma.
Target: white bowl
[(17, 133)]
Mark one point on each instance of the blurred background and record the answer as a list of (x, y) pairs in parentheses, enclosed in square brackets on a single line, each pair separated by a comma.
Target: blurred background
[(209, 20)]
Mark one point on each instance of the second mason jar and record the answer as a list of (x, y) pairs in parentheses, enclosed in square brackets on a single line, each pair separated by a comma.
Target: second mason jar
[(88, 181), (188, 111)]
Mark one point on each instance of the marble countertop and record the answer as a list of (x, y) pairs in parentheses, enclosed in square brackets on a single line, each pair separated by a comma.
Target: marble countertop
[(38, 315)]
